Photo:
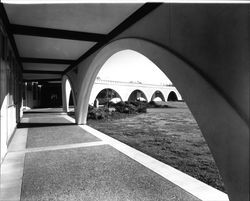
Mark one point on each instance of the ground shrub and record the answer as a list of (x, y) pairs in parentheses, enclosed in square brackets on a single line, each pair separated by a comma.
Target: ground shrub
[(98, 113), (158, 104), (124, 107), (112, 109), (130, 107)]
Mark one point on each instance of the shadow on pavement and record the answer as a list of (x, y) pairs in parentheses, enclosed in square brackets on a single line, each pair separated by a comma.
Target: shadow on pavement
[(33, 125)]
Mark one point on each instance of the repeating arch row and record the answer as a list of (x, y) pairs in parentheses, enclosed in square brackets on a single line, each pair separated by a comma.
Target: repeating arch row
[(135, 94)]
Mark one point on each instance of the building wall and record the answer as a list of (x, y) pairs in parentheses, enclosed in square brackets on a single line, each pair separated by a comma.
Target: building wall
[(31, 95), (10, 91)]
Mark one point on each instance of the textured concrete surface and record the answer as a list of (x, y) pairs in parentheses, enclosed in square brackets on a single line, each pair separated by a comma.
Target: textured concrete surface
[(46, 119), (57, 135), (58, 167), (93, 173), (50, 128)]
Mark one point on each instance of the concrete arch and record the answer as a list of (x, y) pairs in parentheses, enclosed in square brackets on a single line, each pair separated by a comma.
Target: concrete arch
[(108, 89), (157, 93), (172, 96), (136, 94), (66, 91), (228, 139), (97, 88)]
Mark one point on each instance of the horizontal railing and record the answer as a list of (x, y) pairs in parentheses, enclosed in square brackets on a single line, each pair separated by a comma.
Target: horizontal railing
[(100, 81)]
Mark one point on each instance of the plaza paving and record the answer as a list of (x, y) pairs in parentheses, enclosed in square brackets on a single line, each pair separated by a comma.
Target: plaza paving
[(51, 158)]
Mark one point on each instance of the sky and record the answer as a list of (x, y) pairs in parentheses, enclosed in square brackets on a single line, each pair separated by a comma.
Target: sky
[(128, 65)]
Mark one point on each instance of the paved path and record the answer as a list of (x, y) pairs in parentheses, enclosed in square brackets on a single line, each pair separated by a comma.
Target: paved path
[(50, 158)]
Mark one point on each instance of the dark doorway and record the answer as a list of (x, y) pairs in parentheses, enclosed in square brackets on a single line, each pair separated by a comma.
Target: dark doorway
[(51, 95)]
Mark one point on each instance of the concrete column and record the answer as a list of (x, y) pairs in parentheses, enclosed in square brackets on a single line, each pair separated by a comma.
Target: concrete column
[(29, 95), (25, 95), (64, 101), (39, 95)]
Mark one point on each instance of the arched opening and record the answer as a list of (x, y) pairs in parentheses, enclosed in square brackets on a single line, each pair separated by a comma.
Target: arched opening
[(158, 96), (173, 150), (69, 101), (137, 95), (199, 97), (108, 95), (172, 96)]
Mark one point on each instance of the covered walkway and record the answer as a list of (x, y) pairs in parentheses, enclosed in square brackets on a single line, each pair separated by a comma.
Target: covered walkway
[(51, 158), (202, 48)]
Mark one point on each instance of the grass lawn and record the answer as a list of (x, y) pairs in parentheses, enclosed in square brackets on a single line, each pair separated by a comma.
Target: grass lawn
[(170, 135)]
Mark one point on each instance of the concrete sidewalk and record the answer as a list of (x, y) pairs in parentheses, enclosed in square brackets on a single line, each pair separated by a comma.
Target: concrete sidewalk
[(50, 158)]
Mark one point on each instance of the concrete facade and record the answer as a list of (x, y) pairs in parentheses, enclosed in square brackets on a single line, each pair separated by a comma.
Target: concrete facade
[(125, 89), (10, 91), (31, 95)]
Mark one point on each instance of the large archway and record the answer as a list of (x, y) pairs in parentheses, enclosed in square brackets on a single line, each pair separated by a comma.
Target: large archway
[(156, 113), (137, 95), (106, 95), (231, 157), (157, 94)]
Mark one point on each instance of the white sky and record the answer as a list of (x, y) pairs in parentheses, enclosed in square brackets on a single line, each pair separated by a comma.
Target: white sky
[(128, 65)]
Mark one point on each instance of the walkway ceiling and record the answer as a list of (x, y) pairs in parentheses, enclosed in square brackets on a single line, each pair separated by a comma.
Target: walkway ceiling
[(51, 39)]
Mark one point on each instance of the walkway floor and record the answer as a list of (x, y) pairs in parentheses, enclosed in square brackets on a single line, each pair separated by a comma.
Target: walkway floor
[(51, 158)]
